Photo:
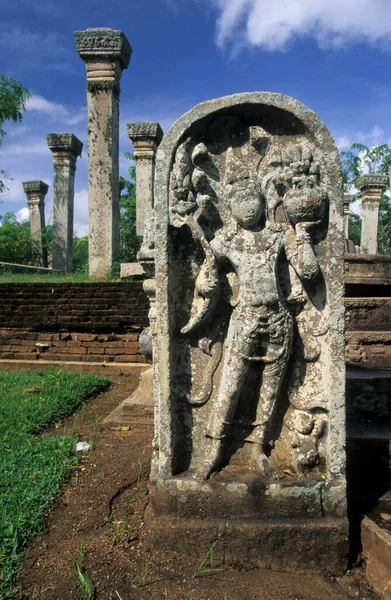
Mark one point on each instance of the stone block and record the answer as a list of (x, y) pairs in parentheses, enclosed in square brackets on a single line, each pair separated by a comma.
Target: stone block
[(131, 270), (376, 547)]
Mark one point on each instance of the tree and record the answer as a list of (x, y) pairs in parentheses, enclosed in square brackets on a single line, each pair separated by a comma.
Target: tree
[(129, 241), (13, 98), (356, 161)]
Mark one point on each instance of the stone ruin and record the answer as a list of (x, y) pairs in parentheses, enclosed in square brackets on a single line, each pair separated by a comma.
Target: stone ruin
[(248, 334)]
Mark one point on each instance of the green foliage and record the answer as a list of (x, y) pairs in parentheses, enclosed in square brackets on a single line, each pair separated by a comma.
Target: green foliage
[(80, 254), (356, 161), (16, 243), (32, 468), (129, 241), (13, 98)]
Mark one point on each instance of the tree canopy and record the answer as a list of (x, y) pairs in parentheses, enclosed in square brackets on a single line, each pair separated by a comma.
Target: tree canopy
[(13, 98)]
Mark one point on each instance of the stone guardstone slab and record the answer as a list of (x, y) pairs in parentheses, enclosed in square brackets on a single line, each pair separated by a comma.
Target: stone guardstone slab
[(249, 340)]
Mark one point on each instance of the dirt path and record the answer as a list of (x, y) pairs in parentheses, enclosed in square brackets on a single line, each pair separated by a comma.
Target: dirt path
[(99, 522)]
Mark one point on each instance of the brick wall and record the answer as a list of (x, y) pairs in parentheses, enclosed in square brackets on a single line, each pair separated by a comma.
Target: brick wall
[(67, 321)]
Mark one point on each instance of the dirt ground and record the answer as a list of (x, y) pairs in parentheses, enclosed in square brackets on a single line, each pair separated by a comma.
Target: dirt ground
[(98, 522)]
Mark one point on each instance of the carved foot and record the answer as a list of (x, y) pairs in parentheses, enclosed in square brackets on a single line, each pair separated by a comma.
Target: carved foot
[(213, 460), (260, 461)]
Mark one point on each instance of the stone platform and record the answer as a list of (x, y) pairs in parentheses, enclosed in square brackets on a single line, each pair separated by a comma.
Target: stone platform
[(290, 524)]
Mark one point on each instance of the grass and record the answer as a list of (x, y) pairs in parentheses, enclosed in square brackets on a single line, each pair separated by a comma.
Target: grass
[(7, 277), (33, 467)]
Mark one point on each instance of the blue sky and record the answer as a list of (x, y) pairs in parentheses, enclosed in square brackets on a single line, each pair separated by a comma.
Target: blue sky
[(334, 55)]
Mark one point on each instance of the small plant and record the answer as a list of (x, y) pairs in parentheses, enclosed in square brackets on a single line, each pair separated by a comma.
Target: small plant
[(84, 583), (143, 572), (207, 558)]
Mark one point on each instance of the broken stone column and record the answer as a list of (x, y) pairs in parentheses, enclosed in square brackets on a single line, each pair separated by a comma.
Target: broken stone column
[(106, 52), (36, 191), (146, 137), (371, 188), (65, 147), (249, 366)]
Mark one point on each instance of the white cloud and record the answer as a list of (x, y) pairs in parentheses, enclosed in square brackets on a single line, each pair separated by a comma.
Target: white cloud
[(23, 214), (274, 24), (56, 111), (81, 213)]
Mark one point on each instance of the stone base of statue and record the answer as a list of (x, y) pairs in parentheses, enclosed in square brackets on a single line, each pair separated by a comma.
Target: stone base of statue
[(289, 525)]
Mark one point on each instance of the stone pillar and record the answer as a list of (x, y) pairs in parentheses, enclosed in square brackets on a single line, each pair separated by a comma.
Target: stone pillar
[(36, 191), (349, 245), (146, 136), (106, 53), (65, 147), (371, 188)]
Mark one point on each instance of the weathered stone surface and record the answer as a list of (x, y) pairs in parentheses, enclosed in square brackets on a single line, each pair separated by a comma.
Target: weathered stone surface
[(249, 348), (369, 349), (146, 136), (365, 269), (64, 142), (138, 408), (66, 147), (376, 543), (36, 191), (288, 545), (371, 187), (141, 130), (35, 186), (105, 43), (131, 270), (106, 53)]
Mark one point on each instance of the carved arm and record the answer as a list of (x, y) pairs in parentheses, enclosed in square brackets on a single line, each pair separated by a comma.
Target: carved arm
[(300, 253)]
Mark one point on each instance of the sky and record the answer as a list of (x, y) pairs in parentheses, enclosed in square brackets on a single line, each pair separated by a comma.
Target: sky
[(333, 55)]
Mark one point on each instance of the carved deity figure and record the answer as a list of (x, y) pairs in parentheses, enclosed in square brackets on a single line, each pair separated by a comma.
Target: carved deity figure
[(252, 206)]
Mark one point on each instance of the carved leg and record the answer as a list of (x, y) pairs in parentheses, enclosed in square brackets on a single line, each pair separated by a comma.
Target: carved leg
[(234, 372), (270, 390)]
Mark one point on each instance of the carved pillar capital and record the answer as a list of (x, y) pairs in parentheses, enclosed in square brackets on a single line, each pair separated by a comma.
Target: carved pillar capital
[(65, 147), (347, 199), (371, 186), (106, 52), (35, 191), (146, 136)]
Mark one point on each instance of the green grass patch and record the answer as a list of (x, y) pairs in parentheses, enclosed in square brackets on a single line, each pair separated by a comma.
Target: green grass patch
[(32, 468)]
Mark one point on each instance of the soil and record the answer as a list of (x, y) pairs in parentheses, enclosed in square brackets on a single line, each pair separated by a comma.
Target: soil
[(98, 522)]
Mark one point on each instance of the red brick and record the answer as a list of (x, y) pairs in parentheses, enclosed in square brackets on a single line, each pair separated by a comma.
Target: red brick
[(132, 346), (79, 350), (115, 351)]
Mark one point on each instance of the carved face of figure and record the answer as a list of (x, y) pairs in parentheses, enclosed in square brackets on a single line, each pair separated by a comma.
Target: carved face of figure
[(246, 202)]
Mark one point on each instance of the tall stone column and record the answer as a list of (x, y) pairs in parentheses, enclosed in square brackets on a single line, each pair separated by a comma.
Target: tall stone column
[(146, 137), (106, 52), (65, 147), (371, 187), (36, 191)]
